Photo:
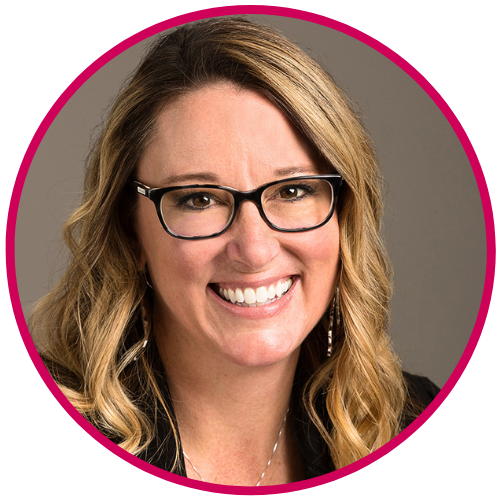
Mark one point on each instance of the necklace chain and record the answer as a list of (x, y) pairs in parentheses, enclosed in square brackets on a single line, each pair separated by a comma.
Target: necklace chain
[(268, 463)]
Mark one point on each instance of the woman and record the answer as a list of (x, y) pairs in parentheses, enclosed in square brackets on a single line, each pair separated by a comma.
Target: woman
[(224, 315)]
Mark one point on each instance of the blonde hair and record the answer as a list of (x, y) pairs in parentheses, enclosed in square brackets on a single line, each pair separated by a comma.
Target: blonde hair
[(90, 326)]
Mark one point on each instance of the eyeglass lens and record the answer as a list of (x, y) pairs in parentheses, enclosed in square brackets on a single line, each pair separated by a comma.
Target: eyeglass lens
[(290, 205)]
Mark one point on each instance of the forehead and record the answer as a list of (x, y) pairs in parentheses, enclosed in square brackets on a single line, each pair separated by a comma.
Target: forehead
[(233, 134)]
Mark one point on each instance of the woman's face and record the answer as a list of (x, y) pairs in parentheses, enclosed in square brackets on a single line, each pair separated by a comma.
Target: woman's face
[(237, 138)]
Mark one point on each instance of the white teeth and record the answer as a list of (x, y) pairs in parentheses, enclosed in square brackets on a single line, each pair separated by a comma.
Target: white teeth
[(250, 296), (239, 295), (261, 294), (256, 297)]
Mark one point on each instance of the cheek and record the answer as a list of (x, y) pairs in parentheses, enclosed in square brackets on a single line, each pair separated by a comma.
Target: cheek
[(321, 246), (319, 252), (173, 264)]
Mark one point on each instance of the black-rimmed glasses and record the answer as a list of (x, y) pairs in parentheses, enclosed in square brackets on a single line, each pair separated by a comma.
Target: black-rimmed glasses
[(200, 211)]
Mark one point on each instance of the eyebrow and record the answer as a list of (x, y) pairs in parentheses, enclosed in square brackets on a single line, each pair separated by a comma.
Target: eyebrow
[(195, 176), (299, 169), (210, 177)]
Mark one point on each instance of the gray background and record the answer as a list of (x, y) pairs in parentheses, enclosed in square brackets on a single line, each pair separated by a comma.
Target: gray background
[(434, 226)]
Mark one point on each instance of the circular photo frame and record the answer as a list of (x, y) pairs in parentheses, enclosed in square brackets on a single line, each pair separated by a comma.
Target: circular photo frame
[(436, 194)]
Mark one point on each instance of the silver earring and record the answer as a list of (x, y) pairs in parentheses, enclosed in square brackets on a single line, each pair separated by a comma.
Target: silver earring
[(334, 313), (330, 334), (146, 274), (146, 325)]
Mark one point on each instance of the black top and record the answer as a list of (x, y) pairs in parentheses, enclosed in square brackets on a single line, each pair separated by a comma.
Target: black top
[(313, 450)]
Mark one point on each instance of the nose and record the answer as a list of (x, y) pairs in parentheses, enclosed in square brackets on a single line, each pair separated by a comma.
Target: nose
[(252, 244)]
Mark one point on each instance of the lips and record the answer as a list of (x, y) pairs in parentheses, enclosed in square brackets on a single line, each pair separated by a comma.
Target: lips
[(254, 297)]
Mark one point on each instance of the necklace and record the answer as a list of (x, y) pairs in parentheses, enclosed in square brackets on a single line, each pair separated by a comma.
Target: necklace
[(268, 463)]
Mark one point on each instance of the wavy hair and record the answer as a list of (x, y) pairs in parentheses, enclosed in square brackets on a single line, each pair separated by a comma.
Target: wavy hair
[(89, 326)]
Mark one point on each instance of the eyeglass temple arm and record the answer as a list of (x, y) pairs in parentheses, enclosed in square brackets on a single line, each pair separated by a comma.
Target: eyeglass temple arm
[(142, 189)]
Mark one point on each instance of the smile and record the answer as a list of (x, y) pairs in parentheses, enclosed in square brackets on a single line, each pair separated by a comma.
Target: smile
[(255, 297)]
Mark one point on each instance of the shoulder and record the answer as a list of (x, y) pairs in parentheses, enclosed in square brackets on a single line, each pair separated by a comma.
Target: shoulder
[(421, 391)]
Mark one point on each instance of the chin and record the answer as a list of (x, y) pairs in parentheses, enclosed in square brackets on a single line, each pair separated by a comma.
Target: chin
[(260, 350)]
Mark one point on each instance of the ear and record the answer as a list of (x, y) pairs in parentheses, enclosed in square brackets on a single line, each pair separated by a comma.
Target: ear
[(141, 257), (138, 252), (135, 244)]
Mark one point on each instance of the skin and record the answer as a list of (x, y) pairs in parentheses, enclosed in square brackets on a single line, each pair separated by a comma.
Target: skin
[(219, 356)]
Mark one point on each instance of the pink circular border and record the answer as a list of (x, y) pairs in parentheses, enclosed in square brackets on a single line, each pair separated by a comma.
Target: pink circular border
[(284, 12)]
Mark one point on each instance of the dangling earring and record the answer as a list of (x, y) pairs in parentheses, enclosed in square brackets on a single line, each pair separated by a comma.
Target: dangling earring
[(146, 325), (146, 274), (334, 313), (330, 334)]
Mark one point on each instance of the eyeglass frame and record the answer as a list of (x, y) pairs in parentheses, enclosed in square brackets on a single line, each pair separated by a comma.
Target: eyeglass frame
[(255, 195)]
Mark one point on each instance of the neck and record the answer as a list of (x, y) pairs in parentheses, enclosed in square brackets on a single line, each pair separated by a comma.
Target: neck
[(205, 388), (228, 415)]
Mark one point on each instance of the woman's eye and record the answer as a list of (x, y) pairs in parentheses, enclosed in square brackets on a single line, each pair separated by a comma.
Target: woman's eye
[(196, 201), (201, 201), (291, 192)]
